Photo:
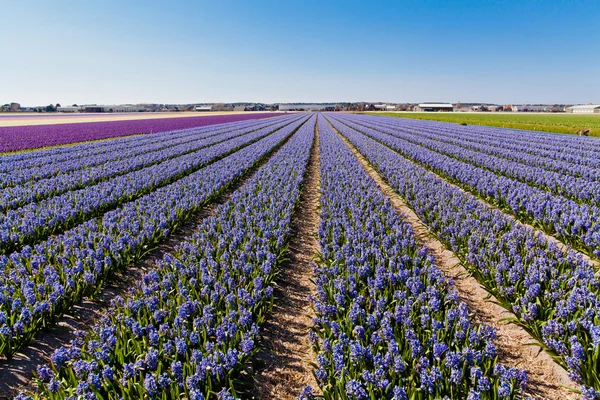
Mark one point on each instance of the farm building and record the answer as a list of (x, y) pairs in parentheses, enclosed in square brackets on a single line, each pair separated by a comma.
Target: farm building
[(93, 108), (69, 109), (434, 107), (203, 108), (307, 107), (531, 108), (585, 109), (256, 107), (380, 107)]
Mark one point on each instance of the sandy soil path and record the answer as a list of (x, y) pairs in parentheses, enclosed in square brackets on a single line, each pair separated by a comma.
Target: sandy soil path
[(287, 353)]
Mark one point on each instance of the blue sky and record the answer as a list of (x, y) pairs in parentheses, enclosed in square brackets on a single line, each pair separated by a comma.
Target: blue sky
[(286, 51)]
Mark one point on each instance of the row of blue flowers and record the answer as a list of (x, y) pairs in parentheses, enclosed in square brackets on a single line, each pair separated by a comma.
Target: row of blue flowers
[(191, 325), (91, 170), (35, 221), (29, 166), (545, 152), (538, 142), (389, 325), (553, 293), (40, 283), (580, 189), (576, 224)]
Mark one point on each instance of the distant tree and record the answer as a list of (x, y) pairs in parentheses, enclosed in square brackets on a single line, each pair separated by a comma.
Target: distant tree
[(57, 105), (50, 108), (74, 105)]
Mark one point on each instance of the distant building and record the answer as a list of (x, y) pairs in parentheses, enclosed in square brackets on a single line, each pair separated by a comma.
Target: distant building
[(380, 107), (69, 109), (239, 108), (484, 108), (428, 107), (584, 109), (203, 108), (530, 108), (462, 108), (222, 107), (94, 108), (255, 107), (307, 107)]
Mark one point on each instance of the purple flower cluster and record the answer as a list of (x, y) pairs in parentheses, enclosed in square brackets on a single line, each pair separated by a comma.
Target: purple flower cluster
[(581, 189), (389, 325), (35, 221), (551, 152), (553, 293), (40, 283), (577, 224), (193, 321), (15, 138), (24, 183)]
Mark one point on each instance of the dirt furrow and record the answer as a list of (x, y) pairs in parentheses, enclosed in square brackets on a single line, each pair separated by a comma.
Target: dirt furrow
[(286, 351), (547, 380)]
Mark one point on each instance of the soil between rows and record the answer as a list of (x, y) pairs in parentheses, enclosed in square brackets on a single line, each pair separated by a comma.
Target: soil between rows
[(516, 348), (286, 352)]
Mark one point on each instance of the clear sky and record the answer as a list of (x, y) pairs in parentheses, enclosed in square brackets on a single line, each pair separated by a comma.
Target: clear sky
[(311, 51)]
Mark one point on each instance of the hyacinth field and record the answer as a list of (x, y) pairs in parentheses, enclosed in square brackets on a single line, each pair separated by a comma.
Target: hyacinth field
[(157, 266), (15, 138)]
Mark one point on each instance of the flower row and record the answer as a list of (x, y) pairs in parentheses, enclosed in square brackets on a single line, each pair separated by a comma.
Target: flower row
[(389, 325), (554, 294), (16, 138), (544, 150), (576, 224), (35, 221), (521, 166), (88, 174), (541, 141), (190, 326), (557, 160), (41, 283), (32, 170)]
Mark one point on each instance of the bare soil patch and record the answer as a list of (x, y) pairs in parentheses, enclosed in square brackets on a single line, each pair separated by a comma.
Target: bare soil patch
[(286, 351)]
